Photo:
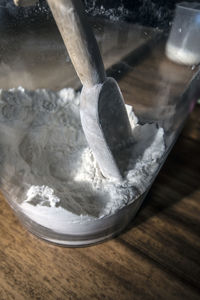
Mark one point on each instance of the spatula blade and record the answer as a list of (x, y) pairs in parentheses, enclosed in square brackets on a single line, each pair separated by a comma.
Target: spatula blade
[(105, 124)]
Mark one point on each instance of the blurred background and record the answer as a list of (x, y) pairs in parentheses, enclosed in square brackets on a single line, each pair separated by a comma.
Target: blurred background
[(155, 13)]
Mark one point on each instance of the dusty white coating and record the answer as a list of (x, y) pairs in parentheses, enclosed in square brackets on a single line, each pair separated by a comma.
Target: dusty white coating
[(182, 55), (48, 168)]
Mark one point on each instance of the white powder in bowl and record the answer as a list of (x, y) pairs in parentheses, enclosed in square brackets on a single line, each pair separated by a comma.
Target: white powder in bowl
[(48, 168)]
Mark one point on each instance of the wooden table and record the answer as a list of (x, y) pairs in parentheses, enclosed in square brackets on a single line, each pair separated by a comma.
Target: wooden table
[(157, 256)]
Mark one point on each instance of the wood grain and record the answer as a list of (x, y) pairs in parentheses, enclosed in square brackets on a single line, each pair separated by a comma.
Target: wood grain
[(34, 56), (157, 257)]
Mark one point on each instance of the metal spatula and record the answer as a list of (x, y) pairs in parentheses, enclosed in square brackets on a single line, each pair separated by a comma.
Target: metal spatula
[(103, 114)]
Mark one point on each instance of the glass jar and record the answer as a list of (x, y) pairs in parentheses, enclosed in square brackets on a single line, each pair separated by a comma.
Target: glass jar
[(49, 175)]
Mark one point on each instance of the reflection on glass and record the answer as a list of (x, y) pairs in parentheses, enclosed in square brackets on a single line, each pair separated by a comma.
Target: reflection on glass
[(183, 45)]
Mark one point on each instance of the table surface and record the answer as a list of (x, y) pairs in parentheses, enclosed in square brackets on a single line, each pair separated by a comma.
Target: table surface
[(157, 256)]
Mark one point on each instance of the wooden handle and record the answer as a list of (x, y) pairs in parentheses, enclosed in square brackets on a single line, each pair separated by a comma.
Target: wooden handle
[(79, 40)]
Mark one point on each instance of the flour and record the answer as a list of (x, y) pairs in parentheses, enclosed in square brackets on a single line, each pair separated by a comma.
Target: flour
[(48, 169), (182, 55)]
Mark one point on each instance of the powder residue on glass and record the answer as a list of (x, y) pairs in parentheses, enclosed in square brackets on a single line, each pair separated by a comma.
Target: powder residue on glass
[(46, 160)]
